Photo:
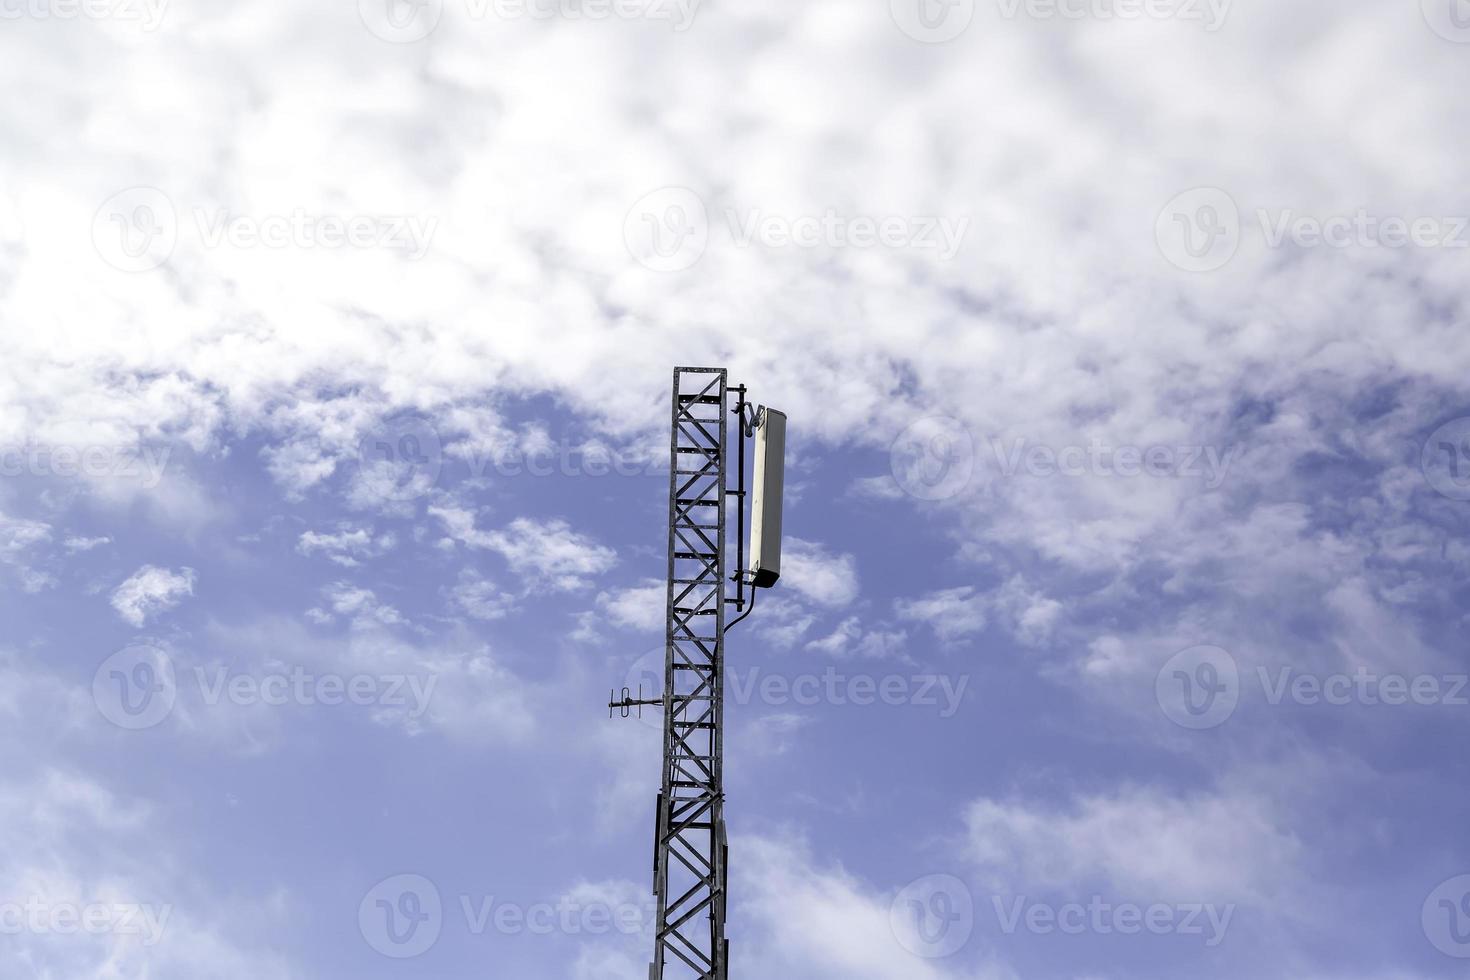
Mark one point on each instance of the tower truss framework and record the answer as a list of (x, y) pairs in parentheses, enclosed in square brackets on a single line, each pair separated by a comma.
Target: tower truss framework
[(691, 855)]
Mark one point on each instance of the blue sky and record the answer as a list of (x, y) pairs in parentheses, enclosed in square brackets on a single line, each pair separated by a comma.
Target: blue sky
[(1120, 633)]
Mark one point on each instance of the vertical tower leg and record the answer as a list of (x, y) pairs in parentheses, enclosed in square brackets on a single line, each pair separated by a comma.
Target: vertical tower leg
[(690, 852)]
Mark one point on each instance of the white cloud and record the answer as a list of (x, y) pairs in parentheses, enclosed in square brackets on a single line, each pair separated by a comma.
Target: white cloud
[(1059, 323), (813, 572), (851, 640), (544, 552), (781, 621), (622, 952), (770, 735), (36, 705), (152, 590), (481, 598), (951, 613), (552, 552), (640, 607), (456, 685), (67, 840), (73, 545), (459, 524), (810, 922), (348, 547), (308, 351), (361, 606), (963, 611), (299, 465), (18, 538), (1149, 844), (1030, 615)]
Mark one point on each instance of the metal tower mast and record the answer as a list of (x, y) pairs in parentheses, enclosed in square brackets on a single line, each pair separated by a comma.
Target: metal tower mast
[(691, 856), (690, 847)]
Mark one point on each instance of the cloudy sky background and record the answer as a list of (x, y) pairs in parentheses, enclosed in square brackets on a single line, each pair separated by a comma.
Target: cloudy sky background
[(983, 254)]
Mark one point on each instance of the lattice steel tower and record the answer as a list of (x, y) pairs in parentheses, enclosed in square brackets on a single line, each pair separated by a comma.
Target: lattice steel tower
[(691, 856)]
